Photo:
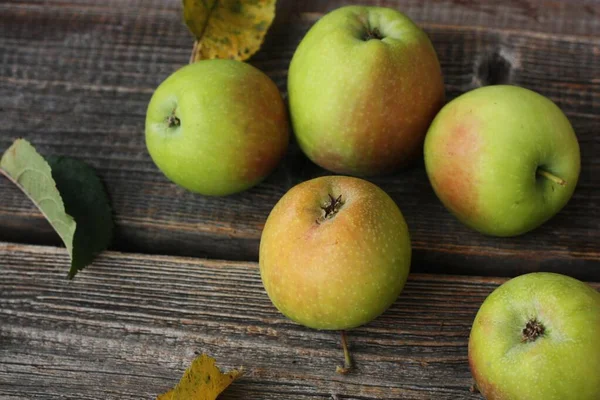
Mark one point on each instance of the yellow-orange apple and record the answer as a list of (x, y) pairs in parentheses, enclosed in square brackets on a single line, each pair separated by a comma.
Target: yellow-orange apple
[(335, 253)]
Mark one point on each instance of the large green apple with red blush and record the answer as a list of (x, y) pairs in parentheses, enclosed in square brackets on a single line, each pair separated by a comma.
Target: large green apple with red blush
[(334, 253), (537, 337), (217, 127), (364, 85), (502, 159)]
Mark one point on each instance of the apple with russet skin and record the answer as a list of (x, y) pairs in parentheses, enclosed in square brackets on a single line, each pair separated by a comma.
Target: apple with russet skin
[(217, 127), (537, 337), (363, 85), (503, 159), (334, 253)]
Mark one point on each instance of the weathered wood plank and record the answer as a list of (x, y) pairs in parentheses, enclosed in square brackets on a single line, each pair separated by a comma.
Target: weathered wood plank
[(76, 78), (556, 16), (128, 326)]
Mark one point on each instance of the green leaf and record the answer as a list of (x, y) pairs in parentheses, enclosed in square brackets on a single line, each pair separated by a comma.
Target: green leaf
[(84, 220)]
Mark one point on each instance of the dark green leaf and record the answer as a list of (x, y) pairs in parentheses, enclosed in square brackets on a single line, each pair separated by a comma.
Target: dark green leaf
[(85, 200)]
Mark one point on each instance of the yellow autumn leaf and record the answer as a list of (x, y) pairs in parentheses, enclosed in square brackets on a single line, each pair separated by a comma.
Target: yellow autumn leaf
[(228, 28), (201, 381)]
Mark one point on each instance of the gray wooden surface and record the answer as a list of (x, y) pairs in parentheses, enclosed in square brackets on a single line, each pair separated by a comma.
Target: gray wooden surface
[(128, 327), (75, 79)]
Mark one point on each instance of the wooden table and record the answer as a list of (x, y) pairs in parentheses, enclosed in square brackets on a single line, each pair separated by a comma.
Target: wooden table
[(75, 79)]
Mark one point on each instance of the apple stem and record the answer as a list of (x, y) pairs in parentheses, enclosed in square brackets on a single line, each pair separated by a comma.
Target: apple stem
[(347, 359), (552, 177)]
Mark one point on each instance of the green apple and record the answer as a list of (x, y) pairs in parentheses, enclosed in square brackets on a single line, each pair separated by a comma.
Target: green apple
[(217, 127), (537, 337), (502, 159), (334, 253), (364, 85)]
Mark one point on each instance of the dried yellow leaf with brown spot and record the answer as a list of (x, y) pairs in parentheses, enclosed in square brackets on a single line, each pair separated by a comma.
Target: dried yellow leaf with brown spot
[(228, 28), (201, 381)]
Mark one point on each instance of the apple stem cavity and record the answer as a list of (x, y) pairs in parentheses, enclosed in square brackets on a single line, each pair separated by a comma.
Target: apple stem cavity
[(372, 34), (552, 177), (533, 329), (331, 208), (347, 359), (173, 121)]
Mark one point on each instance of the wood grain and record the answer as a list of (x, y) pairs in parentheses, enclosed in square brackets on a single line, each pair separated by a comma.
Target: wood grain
[(128, 326), (76, 77)]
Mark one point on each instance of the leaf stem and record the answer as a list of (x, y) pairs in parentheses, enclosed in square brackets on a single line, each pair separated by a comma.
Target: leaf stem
[(194, 50), (347, 359), (6, 175), (194, 56)]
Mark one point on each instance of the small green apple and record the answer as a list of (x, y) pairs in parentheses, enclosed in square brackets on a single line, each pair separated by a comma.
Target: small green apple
[(537, 337), (334, 253), (502, 159), (217, 127), (364, 85)]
